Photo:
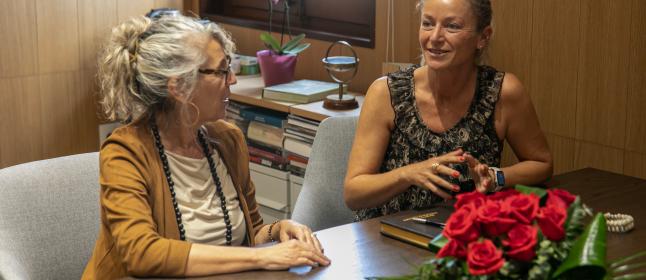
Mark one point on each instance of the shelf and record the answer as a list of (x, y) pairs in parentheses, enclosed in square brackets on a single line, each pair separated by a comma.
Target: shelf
[(248, 90)]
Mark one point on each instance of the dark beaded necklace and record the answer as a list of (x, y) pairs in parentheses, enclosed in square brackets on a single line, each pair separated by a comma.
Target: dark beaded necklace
[(171, 185)]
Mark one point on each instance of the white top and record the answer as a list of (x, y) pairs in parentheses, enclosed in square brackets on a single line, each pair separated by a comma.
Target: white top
[(199, 203)]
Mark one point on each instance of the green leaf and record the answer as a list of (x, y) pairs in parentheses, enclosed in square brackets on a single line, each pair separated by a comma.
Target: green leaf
[(540, 192), (587, 258), (297, 49), (293, 42), (270, 42), (641, 275), (623, 260), (627, 267), (437, 243)]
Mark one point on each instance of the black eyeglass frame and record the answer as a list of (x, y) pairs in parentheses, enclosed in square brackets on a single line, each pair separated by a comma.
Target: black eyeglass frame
[(218, 72)]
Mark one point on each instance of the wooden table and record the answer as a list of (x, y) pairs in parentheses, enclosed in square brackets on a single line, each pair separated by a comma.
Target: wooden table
[(358, 250)]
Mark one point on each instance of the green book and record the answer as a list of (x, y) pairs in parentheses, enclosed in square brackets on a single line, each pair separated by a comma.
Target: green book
[(301, 91)]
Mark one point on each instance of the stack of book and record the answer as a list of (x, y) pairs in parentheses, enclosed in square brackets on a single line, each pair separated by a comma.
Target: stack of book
[(233, 116), (299, 137), (265, 135)]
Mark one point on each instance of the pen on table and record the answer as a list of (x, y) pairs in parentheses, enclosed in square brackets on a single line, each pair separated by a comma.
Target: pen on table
[(427, 222)]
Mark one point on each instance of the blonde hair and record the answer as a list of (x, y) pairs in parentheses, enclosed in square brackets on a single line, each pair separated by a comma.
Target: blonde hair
[(140, 57)]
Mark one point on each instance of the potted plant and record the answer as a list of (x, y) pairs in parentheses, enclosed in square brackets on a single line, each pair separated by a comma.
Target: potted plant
[(278, 61)]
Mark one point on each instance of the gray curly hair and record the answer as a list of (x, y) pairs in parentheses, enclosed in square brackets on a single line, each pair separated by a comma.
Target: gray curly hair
[(141, 56)]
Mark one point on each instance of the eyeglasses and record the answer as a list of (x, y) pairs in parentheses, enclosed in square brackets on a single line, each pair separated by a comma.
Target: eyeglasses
[(220, 73)]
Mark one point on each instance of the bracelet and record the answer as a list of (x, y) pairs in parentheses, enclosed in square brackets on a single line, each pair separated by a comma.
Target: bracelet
[(271, 238), (619, 222)]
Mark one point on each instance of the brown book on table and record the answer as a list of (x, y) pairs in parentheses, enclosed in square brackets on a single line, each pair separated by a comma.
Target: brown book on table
[(401, 226)]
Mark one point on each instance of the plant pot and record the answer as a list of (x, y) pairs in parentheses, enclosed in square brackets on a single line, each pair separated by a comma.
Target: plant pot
[(276, 69)]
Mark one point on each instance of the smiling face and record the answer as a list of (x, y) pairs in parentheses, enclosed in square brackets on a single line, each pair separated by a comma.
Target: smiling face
[(211, 93), (448, 34)]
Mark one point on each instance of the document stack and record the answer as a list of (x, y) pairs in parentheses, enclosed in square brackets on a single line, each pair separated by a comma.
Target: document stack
[(299, 137), (265, 137), (233, 116)]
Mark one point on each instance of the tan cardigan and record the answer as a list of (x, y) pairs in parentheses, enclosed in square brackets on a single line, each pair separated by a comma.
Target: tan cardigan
[(139, 234)]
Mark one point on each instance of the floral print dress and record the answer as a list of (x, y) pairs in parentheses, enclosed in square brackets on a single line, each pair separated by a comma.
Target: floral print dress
[(412, 141)]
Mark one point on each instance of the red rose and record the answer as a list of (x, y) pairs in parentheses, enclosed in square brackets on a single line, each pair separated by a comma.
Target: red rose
[(523, 207), (551, 220), (502, 195), (560, 198), (484, 258), (493, 216), (521, 241), (461, 225), (453, 249), (475, 198)]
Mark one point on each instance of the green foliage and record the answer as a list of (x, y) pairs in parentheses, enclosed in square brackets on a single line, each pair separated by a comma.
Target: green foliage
[(292, 47)]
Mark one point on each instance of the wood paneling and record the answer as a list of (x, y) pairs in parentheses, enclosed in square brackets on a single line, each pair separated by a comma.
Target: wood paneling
[(175, 4), (635, 164), (58, 111), (553, 64), (636, 112), (603, 71), (19, 53), (58, 37), (598, 156), (96, 18), (511, 45), (562, 153), (20, 127), (128, 8)]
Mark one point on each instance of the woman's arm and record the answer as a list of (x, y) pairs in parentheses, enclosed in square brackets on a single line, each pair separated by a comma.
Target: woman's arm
[(208, 260), (523, 132), (364, 186)]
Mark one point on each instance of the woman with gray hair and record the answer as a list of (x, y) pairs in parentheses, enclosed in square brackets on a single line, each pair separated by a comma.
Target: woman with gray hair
[(176, 196)]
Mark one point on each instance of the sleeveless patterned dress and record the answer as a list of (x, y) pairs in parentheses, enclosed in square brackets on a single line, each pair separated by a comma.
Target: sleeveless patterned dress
[(412, 141)]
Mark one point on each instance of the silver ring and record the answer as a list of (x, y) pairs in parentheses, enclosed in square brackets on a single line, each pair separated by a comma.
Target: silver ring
[(434, 167), (313, 235)]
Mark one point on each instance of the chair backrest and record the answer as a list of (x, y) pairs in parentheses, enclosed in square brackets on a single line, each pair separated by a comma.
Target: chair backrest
[(49, 217), (320, 204)]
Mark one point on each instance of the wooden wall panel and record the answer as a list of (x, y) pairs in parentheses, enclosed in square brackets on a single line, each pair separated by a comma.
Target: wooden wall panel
[(87, 108), (635, 164), (96, 19), (553, 64), (603, 72), (511, 45), (562, 153), (19, 53), (128, 8), (58, 92), (58, 39), (175, 4), (598, 156), (636, 104), (20, 127)]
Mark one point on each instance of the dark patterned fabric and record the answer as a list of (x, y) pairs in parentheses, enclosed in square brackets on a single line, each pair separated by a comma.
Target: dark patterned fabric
[(412, 141)]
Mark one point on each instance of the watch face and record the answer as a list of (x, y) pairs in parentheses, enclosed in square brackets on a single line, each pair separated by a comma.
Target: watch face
[(500, 178)]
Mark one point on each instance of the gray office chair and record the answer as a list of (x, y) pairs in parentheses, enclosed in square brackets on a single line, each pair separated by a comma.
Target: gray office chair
[(49, 217), (320, 204)]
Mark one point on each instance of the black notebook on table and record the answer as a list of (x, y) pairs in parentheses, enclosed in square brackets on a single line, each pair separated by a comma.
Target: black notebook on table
[(401, 226)]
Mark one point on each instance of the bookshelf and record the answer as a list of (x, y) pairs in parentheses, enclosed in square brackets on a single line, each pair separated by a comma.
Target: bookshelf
[(277, 190)]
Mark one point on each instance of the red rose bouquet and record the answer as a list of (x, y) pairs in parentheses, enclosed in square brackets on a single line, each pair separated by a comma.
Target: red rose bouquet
[(521, 233)]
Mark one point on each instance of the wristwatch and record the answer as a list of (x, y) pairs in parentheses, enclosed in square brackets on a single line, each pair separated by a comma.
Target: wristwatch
[(498, 177)]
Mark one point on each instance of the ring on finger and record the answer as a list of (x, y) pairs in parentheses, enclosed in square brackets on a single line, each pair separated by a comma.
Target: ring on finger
[(434, 167)]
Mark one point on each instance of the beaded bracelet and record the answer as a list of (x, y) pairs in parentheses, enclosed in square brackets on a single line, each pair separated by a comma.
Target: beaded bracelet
[(619, 222), (271, 238)]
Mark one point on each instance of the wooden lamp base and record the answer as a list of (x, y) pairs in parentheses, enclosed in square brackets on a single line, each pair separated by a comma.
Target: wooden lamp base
[(336, 102)]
